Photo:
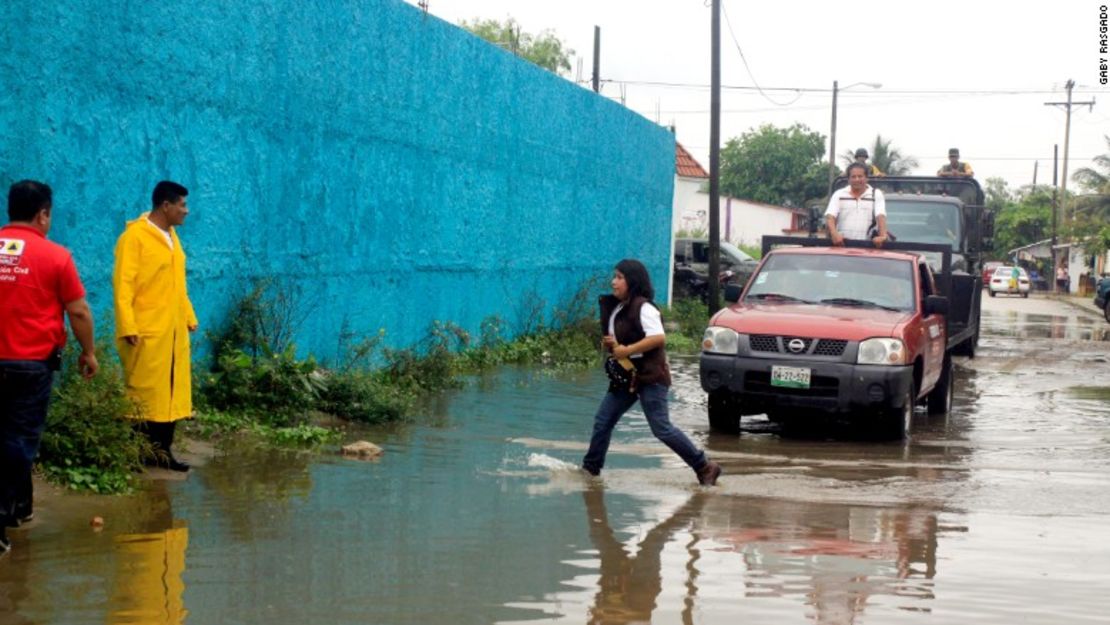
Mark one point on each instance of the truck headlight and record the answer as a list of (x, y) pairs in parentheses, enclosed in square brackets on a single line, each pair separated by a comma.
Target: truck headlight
[(720, 340), (881, 352)]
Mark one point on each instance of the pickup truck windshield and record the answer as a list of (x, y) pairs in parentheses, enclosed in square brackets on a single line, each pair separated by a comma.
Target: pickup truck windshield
[(854, 281), (924, 222)]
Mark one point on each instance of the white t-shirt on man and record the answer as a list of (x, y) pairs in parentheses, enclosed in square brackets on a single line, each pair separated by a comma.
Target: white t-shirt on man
[(855, 215)]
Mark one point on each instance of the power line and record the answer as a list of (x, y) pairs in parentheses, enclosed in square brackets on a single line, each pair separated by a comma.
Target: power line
[(884, 92), (944, 157), (749, 69), (814, 107)]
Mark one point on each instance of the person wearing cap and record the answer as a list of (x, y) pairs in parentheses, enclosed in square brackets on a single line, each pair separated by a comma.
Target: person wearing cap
[(39, 287), (954, 168), (872, 171)]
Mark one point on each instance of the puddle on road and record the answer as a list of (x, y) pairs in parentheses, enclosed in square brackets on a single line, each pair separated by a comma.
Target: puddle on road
[(1029, 325), (482, 517), (1101, 393)]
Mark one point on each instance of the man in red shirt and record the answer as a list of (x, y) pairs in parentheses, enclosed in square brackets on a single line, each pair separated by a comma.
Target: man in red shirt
[(38, 286)]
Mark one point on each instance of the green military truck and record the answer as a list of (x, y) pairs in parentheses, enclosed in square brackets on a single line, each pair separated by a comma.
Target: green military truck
[(947, 211)]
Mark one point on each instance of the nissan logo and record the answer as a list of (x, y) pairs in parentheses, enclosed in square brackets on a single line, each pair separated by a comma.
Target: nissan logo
[(796, 345)]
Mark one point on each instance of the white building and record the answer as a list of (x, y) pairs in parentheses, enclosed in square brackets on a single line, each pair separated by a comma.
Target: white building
[(742, 222), (689, 178)]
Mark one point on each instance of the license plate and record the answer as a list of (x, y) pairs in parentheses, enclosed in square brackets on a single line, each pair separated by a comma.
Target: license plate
[(790, 377)]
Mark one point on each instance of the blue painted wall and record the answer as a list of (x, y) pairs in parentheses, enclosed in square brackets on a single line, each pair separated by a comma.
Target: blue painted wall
[(391, 167)]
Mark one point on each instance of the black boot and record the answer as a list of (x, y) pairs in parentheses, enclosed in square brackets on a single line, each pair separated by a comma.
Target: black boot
[(167, 443), (160, 436)]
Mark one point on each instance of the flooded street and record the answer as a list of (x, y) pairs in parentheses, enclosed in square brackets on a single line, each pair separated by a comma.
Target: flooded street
[(997, 513)]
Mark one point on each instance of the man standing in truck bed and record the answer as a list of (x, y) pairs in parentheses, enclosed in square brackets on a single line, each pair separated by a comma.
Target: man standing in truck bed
[(855, 209), (954, 168)]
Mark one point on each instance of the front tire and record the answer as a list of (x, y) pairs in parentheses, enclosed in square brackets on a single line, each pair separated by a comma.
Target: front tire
[(940, 398), (897, 422), (991, 291), (724, 413)]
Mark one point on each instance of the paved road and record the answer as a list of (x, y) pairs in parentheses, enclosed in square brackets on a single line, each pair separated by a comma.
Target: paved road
[(997, 513)]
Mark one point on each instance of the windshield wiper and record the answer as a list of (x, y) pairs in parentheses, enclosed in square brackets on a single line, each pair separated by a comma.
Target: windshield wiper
[(862, 303), (779, 296)]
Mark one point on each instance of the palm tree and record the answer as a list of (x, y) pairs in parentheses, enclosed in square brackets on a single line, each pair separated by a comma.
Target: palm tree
[(1092, 179), (887, 158), (1091, 212)]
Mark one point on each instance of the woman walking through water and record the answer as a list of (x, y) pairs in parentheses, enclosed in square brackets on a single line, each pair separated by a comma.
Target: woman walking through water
[(637, 367)]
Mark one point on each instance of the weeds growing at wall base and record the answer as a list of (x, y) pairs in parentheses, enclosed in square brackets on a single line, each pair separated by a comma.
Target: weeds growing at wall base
[(256, 385), (89, 442)]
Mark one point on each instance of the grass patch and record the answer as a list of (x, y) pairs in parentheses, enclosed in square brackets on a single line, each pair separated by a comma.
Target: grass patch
[(89, 442), (690, 317), (257, 383)]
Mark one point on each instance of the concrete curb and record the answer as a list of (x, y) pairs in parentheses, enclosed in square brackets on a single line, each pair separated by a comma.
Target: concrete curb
[(1085, 304)]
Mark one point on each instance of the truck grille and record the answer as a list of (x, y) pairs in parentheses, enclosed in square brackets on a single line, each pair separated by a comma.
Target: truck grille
[(769, 343), (764, 343), (830, 347)]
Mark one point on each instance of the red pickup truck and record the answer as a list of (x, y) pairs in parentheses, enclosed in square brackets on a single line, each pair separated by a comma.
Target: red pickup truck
[(849, 333)]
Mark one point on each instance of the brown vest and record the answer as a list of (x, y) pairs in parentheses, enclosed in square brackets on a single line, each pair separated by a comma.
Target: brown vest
[(651, 368)]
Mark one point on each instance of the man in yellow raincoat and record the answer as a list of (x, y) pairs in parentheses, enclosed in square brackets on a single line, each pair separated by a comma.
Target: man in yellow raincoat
[(154, 318)]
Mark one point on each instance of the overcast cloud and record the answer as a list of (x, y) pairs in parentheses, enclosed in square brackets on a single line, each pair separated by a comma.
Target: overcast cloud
[(1012, 56)]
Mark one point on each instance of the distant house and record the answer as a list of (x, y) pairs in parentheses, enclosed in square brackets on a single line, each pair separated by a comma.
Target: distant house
[(1084, 268), (742, 222), (689, 179)]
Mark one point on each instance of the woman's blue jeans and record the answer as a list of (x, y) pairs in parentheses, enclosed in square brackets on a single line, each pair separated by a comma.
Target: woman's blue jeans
[(653, 401)]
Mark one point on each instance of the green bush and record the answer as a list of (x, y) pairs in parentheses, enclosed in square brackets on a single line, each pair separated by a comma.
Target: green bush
[(365, 397), (278, 389), (208, 423), (430, 367), (691, 317), (89, 442), (303, 435), (755, 251), (256, 380)]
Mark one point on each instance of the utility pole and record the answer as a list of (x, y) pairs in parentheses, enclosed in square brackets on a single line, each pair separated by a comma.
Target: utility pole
[(597, 59), (1067, 136), (832, 131), (1035, 165), (832, 141), (1055, 262), (715, 160)]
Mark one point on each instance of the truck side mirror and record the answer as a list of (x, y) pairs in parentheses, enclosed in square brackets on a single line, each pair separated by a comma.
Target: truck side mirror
[(936, 305), (988, 225), (732, 292)]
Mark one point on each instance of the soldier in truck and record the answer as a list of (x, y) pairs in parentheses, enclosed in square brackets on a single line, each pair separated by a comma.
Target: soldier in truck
[(955, 168), (854, 210)]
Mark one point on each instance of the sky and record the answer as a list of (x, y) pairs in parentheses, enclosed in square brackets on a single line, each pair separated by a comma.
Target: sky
[(974, 74)]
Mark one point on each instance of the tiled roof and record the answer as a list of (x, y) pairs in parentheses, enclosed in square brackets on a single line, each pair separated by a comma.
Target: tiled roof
[(685, 165)]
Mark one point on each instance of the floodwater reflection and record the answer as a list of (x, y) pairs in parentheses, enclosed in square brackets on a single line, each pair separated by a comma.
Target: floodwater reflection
[(705, 558), (148, 587), (836, 560), (630, 580), (1012, 323)]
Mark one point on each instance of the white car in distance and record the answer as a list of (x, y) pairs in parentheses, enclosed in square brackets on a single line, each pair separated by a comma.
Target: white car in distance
[(1002, 281)]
